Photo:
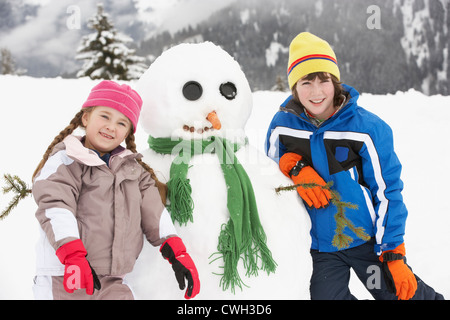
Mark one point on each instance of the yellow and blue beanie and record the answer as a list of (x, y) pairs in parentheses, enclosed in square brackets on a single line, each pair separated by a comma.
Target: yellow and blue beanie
[(309, 54)]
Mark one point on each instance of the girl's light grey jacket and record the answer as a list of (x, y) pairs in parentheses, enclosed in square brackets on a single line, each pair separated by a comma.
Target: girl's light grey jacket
[(109, 208)]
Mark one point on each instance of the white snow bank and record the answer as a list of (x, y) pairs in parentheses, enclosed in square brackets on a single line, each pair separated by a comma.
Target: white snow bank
[(35, 110)]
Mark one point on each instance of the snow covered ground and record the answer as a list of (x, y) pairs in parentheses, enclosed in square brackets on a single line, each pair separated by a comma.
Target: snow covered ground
[(35, 110)]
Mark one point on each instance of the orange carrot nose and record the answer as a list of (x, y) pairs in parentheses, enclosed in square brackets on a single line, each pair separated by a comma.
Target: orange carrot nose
[(214, 119)]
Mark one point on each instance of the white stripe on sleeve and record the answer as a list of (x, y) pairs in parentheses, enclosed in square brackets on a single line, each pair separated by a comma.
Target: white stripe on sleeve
[(166, 227), (273, 152), (53, 163), (64, 223)]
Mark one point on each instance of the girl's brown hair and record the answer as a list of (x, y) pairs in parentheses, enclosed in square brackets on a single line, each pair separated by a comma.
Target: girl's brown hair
[(130, 143), (338, 89)]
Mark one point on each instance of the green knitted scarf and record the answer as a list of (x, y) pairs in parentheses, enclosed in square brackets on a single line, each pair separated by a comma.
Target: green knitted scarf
[(243, 236)]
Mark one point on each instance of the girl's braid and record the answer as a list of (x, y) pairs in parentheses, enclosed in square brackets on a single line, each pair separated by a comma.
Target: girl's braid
[(162, 187), (74, 124), (131, 145)]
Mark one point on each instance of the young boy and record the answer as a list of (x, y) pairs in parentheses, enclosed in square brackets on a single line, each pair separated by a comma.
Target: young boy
[(320, 135)]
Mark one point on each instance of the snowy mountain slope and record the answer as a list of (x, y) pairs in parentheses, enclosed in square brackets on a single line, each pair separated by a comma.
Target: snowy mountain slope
[(35, 110), (410, 50), (174, 15)]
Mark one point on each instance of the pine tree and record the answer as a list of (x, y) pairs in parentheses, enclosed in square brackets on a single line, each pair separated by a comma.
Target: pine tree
[(280, 84), (105, 52), (8, 65), (340, 239), (14, 185)]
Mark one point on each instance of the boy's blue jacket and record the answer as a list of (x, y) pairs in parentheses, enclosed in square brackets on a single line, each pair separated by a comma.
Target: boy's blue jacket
[(354, 149)]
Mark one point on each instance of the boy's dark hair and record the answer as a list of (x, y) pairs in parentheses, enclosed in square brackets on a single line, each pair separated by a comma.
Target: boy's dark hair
[(339, 93)]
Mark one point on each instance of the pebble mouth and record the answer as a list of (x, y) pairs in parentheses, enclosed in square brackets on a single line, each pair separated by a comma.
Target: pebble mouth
[(199, 130)]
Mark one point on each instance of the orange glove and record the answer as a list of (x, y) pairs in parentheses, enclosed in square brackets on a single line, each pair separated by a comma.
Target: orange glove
[(398, 276), (302, 174)]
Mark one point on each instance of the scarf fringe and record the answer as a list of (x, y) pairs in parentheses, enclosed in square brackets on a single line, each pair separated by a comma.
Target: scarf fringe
[(181, 206), (242, 237), (254, 254), (230, 253)]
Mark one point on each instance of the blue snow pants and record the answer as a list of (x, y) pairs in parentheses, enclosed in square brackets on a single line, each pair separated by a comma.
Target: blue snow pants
[(331, 275)]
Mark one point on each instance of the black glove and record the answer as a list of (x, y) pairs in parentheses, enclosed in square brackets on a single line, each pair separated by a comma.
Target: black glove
[(174, 250)]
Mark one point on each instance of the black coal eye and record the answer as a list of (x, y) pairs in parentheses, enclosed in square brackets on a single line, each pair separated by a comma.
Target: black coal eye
[(192, 90), (228, 90)]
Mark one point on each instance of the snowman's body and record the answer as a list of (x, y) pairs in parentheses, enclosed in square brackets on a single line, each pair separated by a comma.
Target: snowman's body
[(167, 113)]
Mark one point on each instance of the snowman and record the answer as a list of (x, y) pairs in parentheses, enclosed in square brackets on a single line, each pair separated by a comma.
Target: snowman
[(198, 93)]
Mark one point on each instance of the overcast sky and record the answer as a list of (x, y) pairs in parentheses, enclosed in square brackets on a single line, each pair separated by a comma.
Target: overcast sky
[(47, 37)]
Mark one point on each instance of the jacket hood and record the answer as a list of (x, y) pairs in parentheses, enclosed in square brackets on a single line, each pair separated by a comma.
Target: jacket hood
[(349, 109)]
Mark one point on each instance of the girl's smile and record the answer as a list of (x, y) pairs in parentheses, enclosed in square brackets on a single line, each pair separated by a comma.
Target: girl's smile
[(106, 129), (107, 136)]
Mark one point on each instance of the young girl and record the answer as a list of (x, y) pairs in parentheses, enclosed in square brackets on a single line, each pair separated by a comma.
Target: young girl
[(96, 201), (321, 135)]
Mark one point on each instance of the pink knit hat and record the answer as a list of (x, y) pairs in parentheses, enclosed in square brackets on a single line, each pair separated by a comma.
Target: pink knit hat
[(119, 97)]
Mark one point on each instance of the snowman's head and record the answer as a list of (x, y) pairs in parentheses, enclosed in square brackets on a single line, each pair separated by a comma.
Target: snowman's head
[(193, 91)]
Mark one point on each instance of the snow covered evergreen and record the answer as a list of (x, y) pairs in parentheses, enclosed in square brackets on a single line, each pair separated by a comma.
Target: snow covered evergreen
[(106, 53)]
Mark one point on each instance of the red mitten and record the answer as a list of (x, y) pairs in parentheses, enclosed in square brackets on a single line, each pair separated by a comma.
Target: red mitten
[(173, 249), (78, 272), (292, 166)]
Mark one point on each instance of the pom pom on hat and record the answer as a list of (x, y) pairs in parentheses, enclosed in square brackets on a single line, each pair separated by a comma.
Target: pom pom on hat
[(119, 97), (310, 54)]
